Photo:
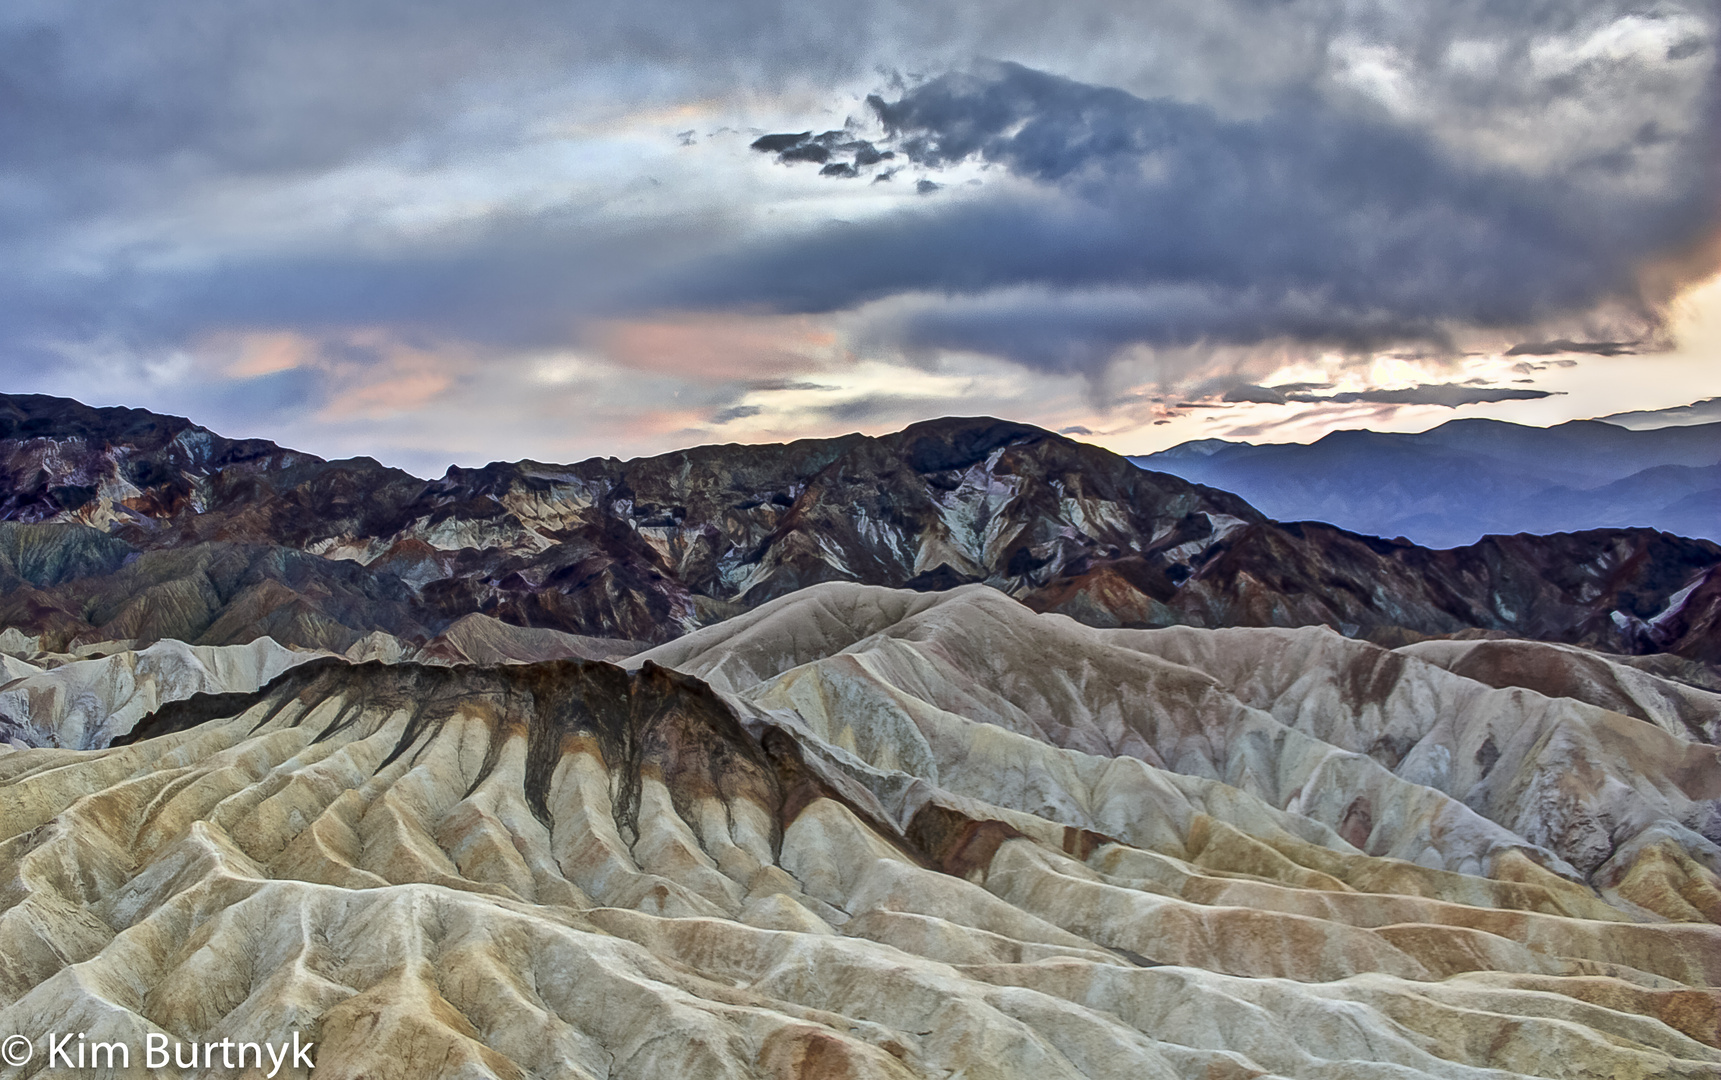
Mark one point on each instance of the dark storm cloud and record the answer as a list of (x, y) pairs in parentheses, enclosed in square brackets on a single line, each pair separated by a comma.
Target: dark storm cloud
[(110, 110), (819, 149), (1162, 222), (104, 100), (254, 84)]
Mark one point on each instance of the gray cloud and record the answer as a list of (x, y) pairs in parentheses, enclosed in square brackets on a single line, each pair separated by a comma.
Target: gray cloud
[(880, 408), (1165, 223), (1554, 348), (788, 384), (105, 103), (1260, 395), (735, 412), (790, 148), (1446, 394), (1207, 176), (523, 280)]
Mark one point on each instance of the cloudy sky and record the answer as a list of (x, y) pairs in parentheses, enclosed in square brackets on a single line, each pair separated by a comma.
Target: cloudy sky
[(437, 231)]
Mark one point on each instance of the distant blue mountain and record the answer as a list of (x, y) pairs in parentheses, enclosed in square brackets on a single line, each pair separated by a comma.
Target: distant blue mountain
[(1465, 479)]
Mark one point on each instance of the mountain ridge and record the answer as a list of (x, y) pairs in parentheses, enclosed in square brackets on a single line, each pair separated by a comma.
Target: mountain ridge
[(1452, 484), (182, 533)]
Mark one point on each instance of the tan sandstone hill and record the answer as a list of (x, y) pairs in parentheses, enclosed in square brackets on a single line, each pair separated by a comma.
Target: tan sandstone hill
[(862, 832)]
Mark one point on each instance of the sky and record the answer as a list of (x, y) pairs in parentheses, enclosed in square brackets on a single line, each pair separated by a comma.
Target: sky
[(443, 232)]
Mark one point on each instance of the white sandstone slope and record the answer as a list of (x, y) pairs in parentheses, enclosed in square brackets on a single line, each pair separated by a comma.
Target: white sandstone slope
[(889, 835), (83, 703), (13, 668), (1397, 756), (1566, 671), (87, 703)]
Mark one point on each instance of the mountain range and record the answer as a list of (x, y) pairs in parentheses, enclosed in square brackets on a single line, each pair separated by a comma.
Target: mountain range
[(965, 751), (1455, 483), (124, 525)]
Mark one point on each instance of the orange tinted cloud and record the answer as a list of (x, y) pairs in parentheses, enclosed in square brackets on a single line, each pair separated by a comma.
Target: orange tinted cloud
[(713, 348), (393, 394), (376, 375), (258, 353)]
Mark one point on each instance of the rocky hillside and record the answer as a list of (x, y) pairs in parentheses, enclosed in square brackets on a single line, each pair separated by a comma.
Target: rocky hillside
[(124, 525), (871, 833)]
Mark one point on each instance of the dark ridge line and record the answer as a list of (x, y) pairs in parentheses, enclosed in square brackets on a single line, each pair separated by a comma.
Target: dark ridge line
[(653, 718), (196, 710), (565, 711), (493, 746), (802, 786)]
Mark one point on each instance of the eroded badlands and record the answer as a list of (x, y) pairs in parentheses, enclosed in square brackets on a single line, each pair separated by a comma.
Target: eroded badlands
[(861, 832)]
